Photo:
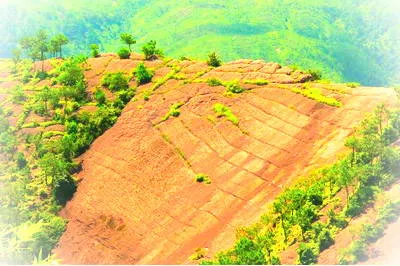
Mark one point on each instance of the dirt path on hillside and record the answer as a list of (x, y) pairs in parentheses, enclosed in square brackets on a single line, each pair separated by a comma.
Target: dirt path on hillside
[(138, 201)]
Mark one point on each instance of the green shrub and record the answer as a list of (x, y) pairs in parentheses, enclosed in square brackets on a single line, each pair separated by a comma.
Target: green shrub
[(214, 60), (41, 75), (324, 239), (353, 254), (70, 74), (370, 233), (315, 74), (352, 84), (142, 74), (49, 235), (233, 87), (64, 189), (100, 96), (21, 161), (94, 50), (307, 253), (203, 178), (257, 82), (115, 81), (224, 111), (125, 95), (173, 111), (150, 51), (124, 53), (337, 220), (248, 253), (214, 82)]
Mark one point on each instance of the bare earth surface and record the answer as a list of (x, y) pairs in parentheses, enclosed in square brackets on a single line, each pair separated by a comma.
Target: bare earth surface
[(137, 201)]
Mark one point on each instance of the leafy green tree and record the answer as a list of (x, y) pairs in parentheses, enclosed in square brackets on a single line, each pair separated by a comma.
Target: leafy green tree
[(115, 81), (150, 51), (94, 50), (142, 74), (345, 176), (45, 95), (71, 74), (54, 168), (307, 254), (60, 40), (42, 45), (100, 96), (53, 47), (28, 45), (128, 39), (124, 53), (248, 253), (214, 60)]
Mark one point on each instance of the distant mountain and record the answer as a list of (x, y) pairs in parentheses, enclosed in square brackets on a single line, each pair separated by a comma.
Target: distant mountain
[(348, 40)]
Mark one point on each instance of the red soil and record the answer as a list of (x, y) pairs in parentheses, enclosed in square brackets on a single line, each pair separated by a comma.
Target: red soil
[(137, 201)]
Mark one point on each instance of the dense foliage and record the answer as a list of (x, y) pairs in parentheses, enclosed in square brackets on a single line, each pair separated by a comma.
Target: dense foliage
[(35, 185), (345, 39)]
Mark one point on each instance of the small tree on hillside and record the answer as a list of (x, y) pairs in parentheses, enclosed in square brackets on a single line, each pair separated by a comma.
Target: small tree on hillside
[(45, 95), (41, 44), (142, 74), (60, 40), (150, 51), (214, 60), (53, 47), (128, 39), (94, 50), (28, 46), (124, 53)]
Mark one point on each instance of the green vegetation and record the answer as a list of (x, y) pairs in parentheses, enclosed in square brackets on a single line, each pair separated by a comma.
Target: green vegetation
[(100, 96), (123, 53), (35, 185), (364, 172), (203, 178), (94, 50), (316, 95), (115, 81), (142, 74), (353, 84), (233, 87), (346, 40), (150, 51), (128, 39), (173, 111), (224, 111), (214, 82), (257, 82), (370, 233), (214, 60), (56, 44)]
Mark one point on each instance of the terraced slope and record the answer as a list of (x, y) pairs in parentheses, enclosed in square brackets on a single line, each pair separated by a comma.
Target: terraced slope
[(138, 201)]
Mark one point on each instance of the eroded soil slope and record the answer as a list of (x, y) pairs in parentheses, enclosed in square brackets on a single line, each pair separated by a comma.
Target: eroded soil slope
[(138, 202)]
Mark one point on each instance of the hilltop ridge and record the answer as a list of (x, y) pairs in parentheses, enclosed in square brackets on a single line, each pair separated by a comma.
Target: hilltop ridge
[(138, 200)]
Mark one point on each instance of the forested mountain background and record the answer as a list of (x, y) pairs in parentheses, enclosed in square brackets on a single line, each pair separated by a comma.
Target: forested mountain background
[(347, 40)]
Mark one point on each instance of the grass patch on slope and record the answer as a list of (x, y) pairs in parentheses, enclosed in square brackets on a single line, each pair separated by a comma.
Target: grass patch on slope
[(224, 111), (316, 95)]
